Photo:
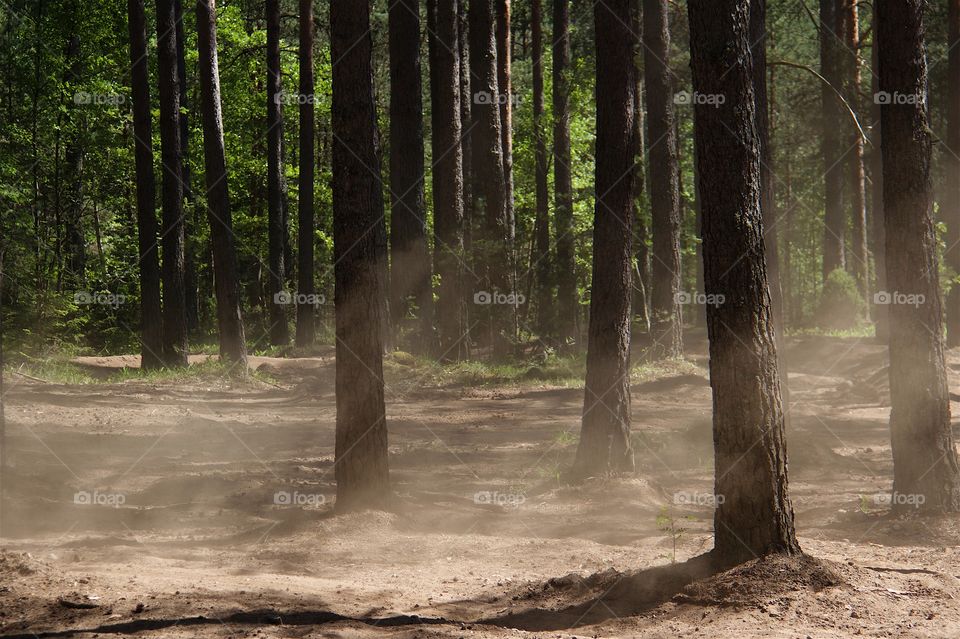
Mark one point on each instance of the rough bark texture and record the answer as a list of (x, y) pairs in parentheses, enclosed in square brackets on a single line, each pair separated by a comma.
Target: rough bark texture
[(276, 228), (151, 323), (605, 430), (754, 516), (172, 232), (834, 220), (233, 347), (544, 263), (306, 328), (951, 182), (409, 256), (924, 457), (881, 314), (466, 125), (567, 303), (665, 310)]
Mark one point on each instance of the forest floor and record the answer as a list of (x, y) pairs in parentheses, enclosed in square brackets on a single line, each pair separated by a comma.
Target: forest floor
[(151, 507)]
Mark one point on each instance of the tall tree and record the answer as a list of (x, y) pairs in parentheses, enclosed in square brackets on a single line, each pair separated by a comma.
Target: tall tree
[(505, 99), (665, 309), (605, 430), (834, 221), (755, 516), (233, 347), (924, 456), (361, 439), (71, 211), (409, 254), (641, 272), (151, 325), (276, 226), (951, 182), (191, 292), (880, 311), (466, 124), (172, 228), (305, 215), (544, 262)]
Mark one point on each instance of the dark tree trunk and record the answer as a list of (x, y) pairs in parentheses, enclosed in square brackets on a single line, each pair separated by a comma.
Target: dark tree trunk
[(754, 516), (880, 313), (951, 182), (361, 441), (409, 253), (233, 348), (172, 232), (666, 318), (305, 219), (466, 124), (505, 85), (448, 178), (567, 300), (924, 457), (75, 249), (151, 324), (190, 281), (641, 279), (834, 220), (276, 226), (605, 431), (544, 263)]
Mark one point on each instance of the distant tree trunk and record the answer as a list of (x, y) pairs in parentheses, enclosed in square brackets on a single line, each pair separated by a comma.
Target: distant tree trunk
[(489, 188), (834, 220), (190, 282), (448, 178), (151, 323), (880, 311), (76, 248), (666, 317), (305, 215), (276, 227), (466, 124), (924, 456), (754, 517), (544, 263), (233, 346), (505, 85), (951, 182), (641, 279), (361, 440), (605, 431), (409, 253), (172, 231)]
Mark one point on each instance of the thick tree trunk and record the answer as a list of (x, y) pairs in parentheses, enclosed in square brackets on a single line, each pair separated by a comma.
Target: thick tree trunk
[(544, 263), (361, 442), (233, 347), (151, 324), (409, 253), (665, 312), (305, 216), (172, 231), (881, 314), (605, 430), (276, 227), (951, 182), (568, 306), (834, 220), (754, 516), (925, 465)]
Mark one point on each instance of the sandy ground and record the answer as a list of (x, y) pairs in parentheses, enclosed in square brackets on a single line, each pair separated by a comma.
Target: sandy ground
[(203, 510)]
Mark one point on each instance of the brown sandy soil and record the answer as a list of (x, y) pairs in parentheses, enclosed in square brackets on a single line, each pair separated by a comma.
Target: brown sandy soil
[(183, 536)]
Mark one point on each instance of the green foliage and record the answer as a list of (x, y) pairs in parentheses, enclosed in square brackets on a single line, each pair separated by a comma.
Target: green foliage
[(842, 307)]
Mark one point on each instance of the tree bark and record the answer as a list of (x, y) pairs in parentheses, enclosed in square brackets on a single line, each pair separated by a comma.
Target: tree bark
[(951, 182), (754, 516), (306, 327), (544, 263), (605, 430), (361, 439), (276, 227), (834, 221), (924, 457), (567, 300), (190, 283), (505, 85), (880, 311)]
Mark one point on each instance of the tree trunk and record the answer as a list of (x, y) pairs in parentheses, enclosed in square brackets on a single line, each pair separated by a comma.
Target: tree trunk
[(233, 347), (305, 215), (172, 232), (754, 516), (544, 263), (567, 299), (666, 317), (880, 312), (505, 86), (834, 221), (276, 228), (466, 124), (409, 253), (924, 458), (75, 249), (190, 281), (641, 279), (151, 324), (605, 431), (951, 182)]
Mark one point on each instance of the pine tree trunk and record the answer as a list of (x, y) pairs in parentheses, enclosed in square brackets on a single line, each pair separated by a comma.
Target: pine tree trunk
[(754, 516), (605, 430), (924, 456), (505, 86), (834, 220), (75, 248), (151, 323), (544, 263), (306, 328), (276, 228), (641, 279), (951, 182), (190, 282), (361, 441), (880, 313), (568, 306)]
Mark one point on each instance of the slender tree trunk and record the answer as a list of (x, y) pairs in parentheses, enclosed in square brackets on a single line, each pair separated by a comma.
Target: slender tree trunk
[(641, 279), (172, 231), (834, 220), (951, 182), (233, 348), (605, 431), (880, 311), (361, 440), (409, 253), (466, 124), (305, 226), (276, 227), (505, 86), (151, 324), (666, 317), (754, 517), (924, 456), (191, 292), (75, 249), (567, 299), (544, 263)]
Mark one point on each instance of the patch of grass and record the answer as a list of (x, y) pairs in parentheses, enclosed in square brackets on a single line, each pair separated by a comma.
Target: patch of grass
[(863, 330), (553, 371), (54, 370)]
